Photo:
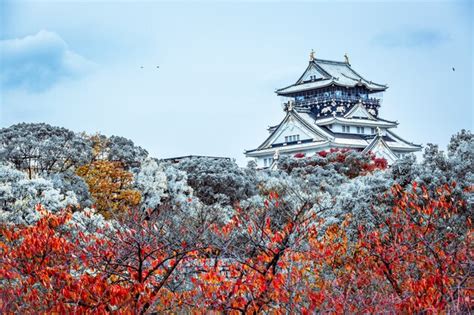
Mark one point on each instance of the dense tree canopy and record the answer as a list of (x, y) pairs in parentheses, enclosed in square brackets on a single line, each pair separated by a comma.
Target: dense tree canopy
[(19, 196), (216, 180), (92, 224), (41, 148), (402, 265), (110, 186), (117, 149)]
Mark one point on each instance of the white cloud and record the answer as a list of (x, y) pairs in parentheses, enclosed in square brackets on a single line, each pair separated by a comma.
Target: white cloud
[(38, 62)]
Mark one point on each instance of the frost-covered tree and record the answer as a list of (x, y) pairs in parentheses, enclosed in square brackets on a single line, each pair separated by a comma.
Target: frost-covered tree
[(405, 170), (20, 195), (461, 158), (218, 180), (462, 138), (40, 148), (252, 165), (364, 199), (438, 169), (293, 193), (117, 149), (88, 220), (324, 173), (8, 178), (347, 163), (124, 150), (69, 181), (337, 184), (152, 183), (178, 190)]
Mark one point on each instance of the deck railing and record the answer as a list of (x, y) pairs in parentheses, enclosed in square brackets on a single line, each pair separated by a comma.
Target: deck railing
[(351, 98)]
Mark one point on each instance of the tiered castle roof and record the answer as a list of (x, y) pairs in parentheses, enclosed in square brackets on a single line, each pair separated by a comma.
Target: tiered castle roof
[(317, 135), (323, 73)]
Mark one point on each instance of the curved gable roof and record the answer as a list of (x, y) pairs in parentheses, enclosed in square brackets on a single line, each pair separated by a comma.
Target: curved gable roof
[(330, 72), (305, 121)]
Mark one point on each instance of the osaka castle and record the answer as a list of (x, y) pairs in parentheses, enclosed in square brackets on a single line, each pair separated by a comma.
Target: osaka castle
[(331, 106)]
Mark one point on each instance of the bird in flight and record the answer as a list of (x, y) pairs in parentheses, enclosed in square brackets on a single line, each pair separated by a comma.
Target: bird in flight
[(157, 67), (454, 69)]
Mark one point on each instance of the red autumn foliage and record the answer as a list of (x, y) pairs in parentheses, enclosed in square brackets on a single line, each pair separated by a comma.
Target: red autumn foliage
[(43, 271), (404, 265), (347, 162), (412, 262), (322, 153)]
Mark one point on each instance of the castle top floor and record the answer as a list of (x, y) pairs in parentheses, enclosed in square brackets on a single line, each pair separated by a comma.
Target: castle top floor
[(322, 77)]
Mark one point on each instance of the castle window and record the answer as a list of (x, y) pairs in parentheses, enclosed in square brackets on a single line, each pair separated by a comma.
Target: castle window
[(292, 138), (346, 129), (267, 162), (360, 130), (372, 130)]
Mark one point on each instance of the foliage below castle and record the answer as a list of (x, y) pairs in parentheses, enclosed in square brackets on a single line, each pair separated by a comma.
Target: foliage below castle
[(94, 224)]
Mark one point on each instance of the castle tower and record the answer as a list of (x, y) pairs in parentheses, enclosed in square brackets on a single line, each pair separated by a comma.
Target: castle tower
[(332, 106)]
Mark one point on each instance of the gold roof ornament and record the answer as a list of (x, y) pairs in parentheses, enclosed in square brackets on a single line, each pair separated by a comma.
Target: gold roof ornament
[(311, 55), (379, 132), (347, 58)]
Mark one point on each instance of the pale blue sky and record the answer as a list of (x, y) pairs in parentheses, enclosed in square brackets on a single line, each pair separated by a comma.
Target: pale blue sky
[(78, 65)]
